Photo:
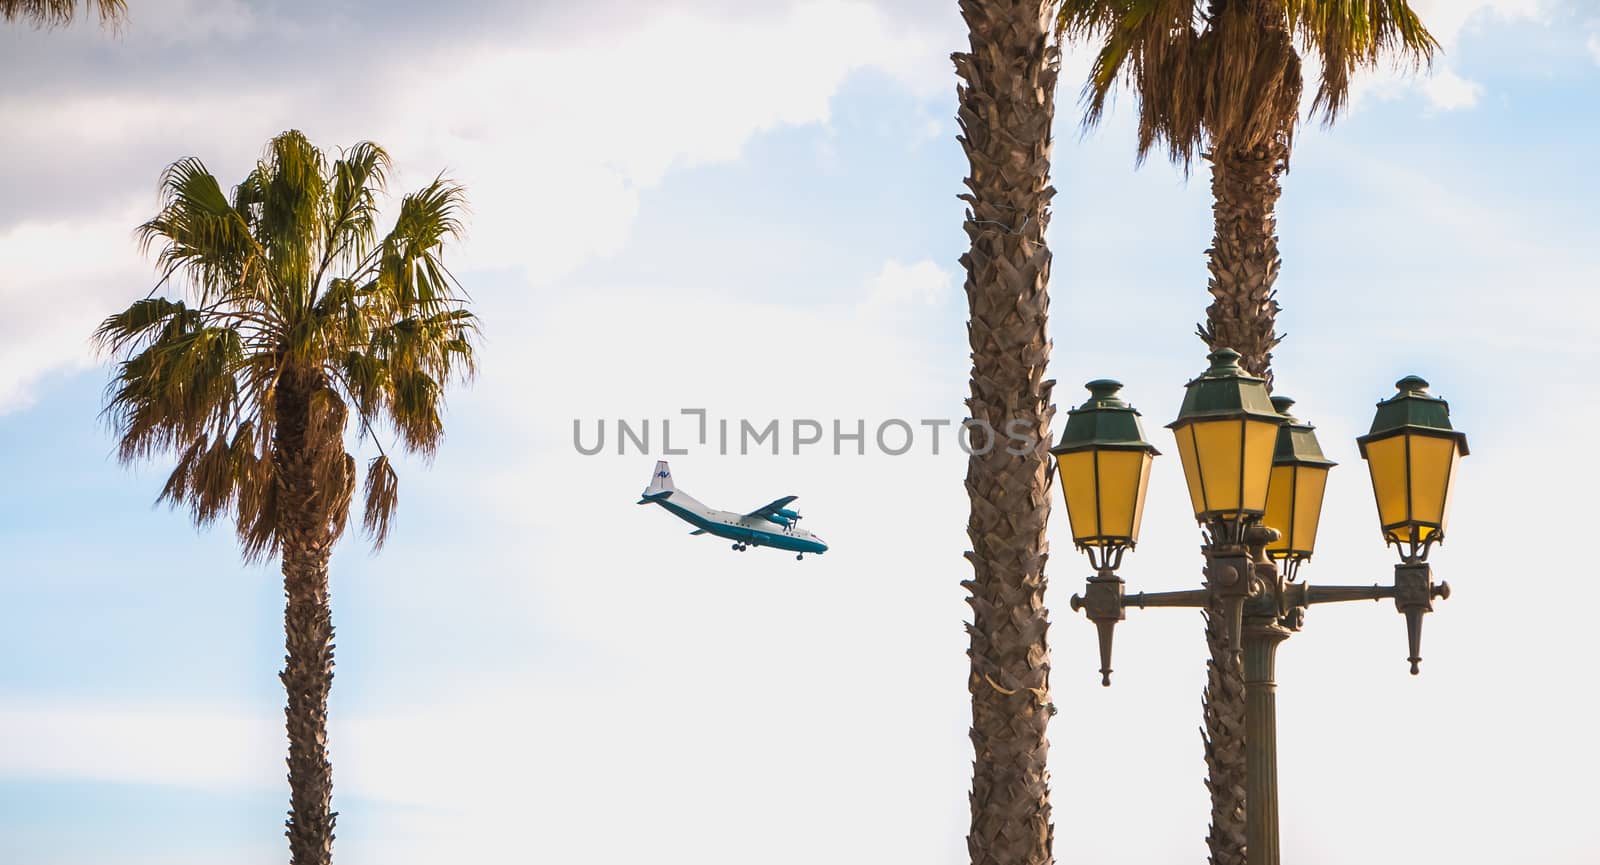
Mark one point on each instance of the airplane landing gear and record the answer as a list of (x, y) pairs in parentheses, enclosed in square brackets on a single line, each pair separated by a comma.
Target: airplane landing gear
[(800, 557)]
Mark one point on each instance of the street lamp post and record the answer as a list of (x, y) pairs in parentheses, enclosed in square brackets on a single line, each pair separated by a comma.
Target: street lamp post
[(1256, 478)]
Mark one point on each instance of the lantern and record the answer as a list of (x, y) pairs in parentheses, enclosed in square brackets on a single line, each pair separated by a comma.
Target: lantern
[(1411, 452), (1294, 489), (1226, 431), (1104, 465)]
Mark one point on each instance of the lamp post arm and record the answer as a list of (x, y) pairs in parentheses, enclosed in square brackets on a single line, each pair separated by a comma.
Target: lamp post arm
[(1313, 594), (1183, 598), (1414, 592)]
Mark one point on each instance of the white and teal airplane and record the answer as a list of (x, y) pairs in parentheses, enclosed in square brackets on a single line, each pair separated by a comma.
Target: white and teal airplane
[(771, 525)]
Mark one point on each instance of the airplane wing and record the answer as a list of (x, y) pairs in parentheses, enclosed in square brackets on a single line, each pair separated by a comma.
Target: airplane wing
[(771, 508)]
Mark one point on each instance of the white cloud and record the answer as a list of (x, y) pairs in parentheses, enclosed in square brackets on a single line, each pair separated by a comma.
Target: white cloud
[(1444, 87), (1448, 91), (556, 170), (1448, 19), (555, 142), (59, 282), (1594, 46)]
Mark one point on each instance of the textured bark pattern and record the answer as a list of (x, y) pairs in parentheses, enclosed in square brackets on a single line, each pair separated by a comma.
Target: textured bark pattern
[(1244, 254), (1007, 101), (1244, 266), (1223, 706), (306, 534)]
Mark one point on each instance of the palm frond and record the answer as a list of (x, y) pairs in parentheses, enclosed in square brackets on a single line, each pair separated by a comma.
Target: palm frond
[(344, 472), (291, 187), (416, 402), (257, 509), (145, 319), (383, 496), (1229, 74), (178, 388), (1350, 35), (411, 273), (1149, 47), (54, 13), (1249, 77), (202, 236), (357, 178)]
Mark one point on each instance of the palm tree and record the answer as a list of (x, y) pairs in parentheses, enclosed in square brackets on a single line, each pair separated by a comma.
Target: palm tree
[(50, 13), (1222, 79), (1007, 103), (295, 316)]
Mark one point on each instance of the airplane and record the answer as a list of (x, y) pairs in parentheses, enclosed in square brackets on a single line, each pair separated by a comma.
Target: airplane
[(771, 525)]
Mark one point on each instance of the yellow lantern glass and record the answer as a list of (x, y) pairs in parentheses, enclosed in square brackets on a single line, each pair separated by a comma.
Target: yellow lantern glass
[(1412, 453), (1294, 508), (1105, 491), (1227, 464), (1411, 476), (1104, 462)]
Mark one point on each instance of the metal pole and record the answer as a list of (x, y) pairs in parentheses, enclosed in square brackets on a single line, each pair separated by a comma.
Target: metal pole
[(1262, 634)]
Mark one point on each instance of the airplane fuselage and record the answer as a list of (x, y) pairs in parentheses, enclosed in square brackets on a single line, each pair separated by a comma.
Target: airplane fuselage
[(755, 531), (771, 525)]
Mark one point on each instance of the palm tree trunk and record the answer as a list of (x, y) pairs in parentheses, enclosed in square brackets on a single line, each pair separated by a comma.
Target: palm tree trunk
[(1244, 254), (306, 540), (1244, 265), (1223, 707), (1007, 103)]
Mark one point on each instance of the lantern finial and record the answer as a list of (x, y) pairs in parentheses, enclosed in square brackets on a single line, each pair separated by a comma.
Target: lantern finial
[(1103, 393), (1415, 384), (1224, 362)]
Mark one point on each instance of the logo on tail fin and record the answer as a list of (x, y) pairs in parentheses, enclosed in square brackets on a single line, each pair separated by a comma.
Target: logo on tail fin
[(661, 484)]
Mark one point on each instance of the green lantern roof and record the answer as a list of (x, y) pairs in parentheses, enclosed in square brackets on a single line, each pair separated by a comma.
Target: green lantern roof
[(1297, 440), (1225, 390), (1104, 421), (1413, 409)]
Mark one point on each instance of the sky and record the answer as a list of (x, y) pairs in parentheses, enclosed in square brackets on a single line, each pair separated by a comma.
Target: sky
[(749, 208)]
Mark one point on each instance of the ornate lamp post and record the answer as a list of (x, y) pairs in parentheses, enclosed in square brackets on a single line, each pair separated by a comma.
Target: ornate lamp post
[(1256, 479)]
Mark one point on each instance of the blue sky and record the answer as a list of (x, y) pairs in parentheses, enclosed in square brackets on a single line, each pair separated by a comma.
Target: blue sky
[(750, 208)]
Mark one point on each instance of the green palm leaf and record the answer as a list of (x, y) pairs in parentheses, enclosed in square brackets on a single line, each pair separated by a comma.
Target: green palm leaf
[(286, 280)]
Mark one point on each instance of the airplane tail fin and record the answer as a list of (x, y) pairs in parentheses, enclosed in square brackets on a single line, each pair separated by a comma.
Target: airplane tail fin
[(661, 484)]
